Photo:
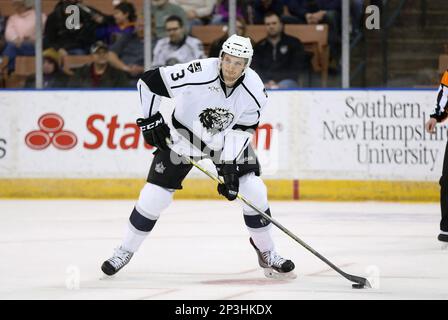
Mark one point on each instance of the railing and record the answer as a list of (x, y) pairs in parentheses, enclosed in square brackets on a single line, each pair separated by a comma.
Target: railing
[(387, 22), (360, 69)]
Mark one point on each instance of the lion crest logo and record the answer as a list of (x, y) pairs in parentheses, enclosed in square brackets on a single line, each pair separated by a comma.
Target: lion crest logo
[(216, 120)]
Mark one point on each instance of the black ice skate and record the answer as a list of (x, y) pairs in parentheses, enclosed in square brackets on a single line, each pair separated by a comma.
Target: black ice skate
[(274, 266), (119, 260), (443, 236)]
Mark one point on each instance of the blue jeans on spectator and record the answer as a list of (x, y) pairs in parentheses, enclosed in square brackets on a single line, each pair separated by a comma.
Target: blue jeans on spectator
[(287, 84), (77, 52), (11, 51)]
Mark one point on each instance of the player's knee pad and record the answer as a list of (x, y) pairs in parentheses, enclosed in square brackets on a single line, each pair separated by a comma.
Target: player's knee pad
[(254, 190), (255, 221), (153, 200)]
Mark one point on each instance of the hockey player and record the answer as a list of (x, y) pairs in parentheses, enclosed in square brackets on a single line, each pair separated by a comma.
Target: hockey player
[(440, 114), (218, 104)]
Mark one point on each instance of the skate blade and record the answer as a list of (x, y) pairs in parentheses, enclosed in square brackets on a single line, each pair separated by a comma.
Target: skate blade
[(272, 274)]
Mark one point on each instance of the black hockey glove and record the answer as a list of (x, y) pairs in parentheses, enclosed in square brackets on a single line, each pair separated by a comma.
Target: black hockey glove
[(229, 188), (155, 131)]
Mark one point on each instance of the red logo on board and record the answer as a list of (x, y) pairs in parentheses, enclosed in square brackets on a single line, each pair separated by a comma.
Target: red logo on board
[(51, 132)]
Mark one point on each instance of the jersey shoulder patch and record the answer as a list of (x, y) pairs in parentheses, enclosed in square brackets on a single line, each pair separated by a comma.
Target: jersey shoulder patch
[(195, 66)]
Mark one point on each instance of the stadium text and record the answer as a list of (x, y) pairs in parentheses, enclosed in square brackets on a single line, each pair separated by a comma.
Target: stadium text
[(126, 136)]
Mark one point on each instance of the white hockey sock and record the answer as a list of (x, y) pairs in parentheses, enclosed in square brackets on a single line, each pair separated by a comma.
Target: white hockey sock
[(262, 239), (254, 190), (152, 201)]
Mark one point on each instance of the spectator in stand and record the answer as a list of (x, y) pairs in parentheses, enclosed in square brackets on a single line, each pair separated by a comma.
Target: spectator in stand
[(127, 54), (71, 41), (177, 47), (99, 73), (2, 32), (294, 11), (261, 7), (216, 45), (53, 75), (278, 58), (327, 12), (161, 10), (2, 24), (20, 33), (199, 12), (123, 23), (221, 12)]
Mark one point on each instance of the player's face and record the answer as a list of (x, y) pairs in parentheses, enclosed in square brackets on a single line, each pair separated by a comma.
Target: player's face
[(232, 67)]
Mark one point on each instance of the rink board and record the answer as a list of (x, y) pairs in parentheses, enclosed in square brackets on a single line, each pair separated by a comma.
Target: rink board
[(321, 144), (326, 190)]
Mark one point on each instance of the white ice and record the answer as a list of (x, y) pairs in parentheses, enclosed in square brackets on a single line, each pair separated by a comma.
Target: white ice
[(53, 249)]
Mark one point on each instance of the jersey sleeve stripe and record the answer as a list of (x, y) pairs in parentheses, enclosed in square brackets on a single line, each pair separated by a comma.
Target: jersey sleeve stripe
[(140, 91), (162, 75), (258, 104), (152, 104), (194, 84)]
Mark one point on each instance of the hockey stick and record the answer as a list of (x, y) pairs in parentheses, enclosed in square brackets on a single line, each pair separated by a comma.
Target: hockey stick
[(360, 281)]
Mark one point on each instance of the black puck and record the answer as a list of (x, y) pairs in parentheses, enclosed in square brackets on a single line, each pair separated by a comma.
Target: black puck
[(357, 286)]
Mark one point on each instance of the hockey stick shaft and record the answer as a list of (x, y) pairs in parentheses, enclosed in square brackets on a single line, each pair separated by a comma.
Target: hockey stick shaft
[(348, 276)]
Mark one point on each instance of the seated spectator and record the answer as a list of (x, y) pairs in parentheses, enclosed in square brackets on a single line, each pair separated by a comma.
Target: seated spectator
[(2, 24), (199, 12), (99, 73), (71, 41), (177, 47), (216, 45), (327, 12), (162, 9), (53, 77), (261, 7), (221, 12), (123, 23), (278, 58), (20, 32), (2, 32), (294, 11), (127, 54)]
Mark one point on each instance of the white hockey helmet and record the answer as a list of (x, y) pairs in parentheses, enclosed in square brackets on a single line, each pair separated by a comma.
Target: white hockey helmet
[(239, 47)]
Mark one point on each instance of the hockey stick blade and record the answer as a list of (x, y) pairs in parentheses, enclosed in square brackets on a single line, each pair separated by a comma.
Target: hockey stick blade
[(362, 282)]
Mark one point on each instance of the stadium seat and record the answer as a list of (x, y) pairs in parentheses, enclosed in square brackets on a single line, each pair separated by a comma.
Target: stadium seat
[(207, 34), (71, 62), (3, 71), (313, 37)]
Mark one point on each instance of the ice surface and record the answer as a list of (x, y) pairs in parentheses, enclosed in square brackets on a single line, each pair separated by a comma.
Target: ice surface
[(53, 249)]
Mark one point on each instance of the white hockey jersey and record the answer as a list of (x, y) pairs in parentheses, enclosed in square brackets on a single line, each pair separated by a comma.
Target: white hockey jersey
[(206, 110)]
